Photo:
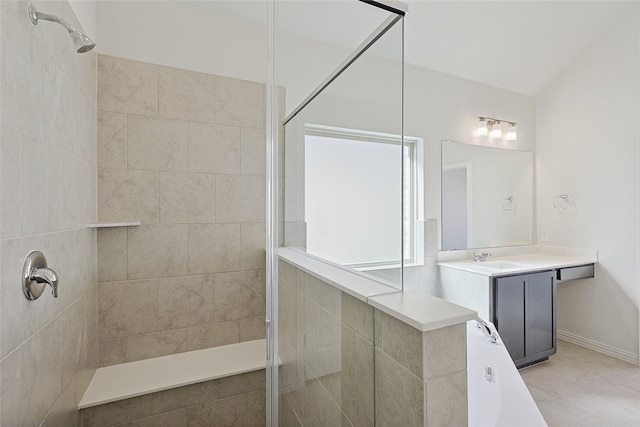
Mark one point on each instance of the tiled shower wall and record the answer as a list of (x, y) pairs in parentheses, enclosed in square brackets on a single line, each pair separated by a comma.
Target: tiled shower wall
[(48, 178), (345, 363), (184, 152)]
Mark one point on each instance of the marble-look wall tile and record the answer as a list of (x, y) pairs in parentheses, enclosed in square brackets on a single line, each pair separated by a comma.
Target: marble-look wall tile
[(85, 373), (177, 418), (87, 255), (399, 394), (214, 148), (185, 301), (364, 379), (119, 412), (447, 400), (400, 341), (35, 221), (185, 95), (20, 318), (252, 329), (445, 351), (231, 411), (239, 295), (73, 340), (238, 102), (47, 151), (10, 166), (112, 351), (256, 413), (240, 199), (287, 315), (312, 286), (175, 159), (213, 335), (31, 384), (22, 83), (253, 152), (127, 86), (112, 140), (64, 411), (112, 254), (287, 273), (319, 408), (214, 248), (344, 388), (209, 391), (157, 251), (127, 195), (156, 344), (331, 300), (128, 308), (186, 198), (91, 318), (287, 415), (156, 144), (252, 239), (61, 251), (358, 315)]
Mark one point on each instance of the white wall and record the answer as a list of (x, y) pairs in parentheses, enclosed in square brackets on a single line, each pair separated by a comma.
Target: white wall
[(587, 147), (85, 11), (200, 39), (439, 106)]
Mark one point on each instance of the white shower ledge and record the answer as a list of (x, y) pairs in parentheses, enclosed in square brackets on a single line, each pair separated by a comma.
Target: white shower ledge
[(420, 310), (114, 224), (133, 379)]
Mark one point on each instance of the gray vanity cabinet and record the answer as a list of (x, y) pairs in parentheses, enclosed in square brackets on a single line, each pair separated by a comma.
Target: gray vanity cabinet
[(524, 312)]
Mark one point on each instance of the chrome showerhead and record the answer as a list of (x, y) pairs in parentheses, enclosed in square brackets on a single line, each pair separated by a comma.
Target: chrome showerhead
[(80, 40)]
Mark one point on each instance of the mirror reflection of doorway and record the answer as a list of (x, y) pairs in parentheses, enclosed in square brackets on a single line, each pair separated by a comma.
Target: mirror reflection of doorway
[(455, 206)]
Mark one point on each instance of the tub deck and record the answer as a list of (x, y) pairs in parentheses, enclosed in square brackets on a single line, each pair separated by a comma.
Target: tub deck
[(133, 379)]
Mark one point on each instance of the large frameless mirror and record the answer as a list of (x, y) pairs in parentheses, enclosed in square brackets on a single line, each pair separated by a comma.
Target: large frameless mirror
[(487, 197)]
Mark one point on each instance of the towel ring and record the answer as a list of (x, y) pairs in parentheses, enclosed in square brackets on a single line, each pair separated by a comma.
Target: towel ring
[(509, 203), (562, 202)]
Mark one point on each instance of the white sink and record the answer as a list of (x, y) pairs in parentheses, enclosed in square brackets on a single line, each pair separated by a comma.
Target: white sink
[(503, 265)]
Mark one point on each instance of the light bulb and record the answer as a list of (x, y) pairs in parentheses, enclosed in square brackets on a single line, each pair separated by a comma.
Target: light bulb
[(496, 130), (483, 129), (511, 134)]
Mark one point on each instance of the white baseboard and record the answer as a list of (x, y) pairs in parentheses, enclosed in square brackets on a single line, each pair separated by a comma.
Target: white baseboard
[(599, 347)]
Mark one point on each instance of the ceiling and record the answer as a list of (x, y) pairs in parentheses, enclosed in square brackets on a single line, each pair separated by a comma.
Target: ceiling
[(515, 45)]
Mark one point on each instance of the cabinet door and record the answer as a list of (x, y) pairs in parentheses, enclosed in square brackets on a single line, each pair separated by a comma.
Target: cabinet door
[(540, 313), (509, 313)]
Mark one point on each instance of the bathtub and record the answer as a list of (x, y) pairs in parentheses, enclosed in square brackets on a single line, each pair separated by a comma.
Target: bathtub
[(497, 394)]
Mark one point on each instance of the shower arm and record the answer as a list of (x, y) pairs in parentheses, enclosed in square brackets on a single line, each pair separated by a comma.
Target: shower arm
[(34, 16)]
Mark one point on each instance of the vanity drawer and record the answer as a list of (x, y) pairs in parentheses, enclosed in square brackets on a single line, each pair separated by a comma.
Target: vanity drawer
[(573, 273)]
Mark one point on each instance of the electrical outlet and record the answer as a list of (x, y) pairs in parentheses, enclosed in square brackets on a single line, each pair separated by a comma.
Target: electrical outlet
[(528, 234), (544, 235)]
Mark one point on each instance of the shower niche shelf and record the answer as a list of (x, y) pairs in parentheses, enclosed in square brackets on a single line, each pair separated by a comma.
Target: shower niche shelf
[(114, 224)]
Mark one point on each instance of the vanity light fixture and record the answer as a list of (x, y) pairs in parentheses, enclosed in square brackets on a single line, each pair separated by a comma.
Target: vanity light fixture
[(488, 126), (496, 130), (512, 134), (483, 128)]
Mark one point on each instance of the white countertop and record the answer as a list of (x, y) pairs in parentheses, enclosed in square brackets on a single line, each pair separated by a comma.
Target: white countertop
[(546, 258)]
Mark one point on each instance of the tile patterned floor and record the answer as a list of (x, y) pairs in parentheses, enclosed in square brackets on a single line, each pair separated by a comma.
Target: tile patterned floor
[(578, 387)]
